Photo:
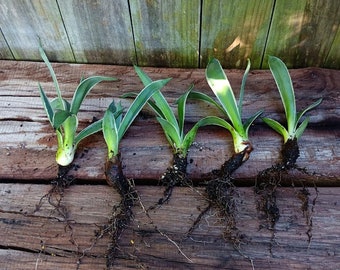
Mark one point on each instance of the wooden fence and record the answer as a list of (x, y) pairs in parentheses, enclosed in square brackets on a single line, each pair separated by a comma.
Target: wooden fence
[(176, 33)]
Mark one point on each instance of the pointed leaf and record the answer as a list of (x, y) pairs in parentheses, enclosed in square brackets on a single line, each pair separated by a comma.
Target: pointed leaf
[(47, 104), (50, 68), (220, 85), (191, 135), (310, 107), (110, 133), (285, 87), (89, 130), (59, 118), (171, 133), (84, 88), (160, 104), (203, 97), (138, 104), (181, 102), (243, 84), (250, 120), (277, 127), (299, 131), (143, 76)]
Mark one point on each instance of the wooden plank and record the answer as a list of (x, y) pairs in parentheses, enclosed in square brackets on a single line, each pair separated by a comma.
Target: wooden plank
[(166, 32), (100, 32), (43, 239), (302, 32), (234, 30), (333, 57), (24, 22), (5, 52), (28, 143)]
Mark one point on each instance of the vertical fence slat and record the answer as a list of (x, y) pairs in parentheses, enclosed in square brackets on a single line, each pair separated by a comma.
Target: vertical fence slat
[(23, 22), (166, 32), (302, 32), (5, 52), (99, 31), (234, 30), (333, 58)]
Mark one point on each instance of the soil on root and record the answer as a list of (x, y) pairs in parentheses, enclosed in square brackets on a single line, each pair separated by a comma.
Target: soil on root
[(56, 193), (221, 193), (267, 182), (175, 175), (121, 214)]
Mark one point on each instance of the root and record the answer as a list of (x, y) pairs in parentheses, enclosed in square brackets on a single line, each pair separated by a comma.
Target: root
[(175, 175), (122, 213)]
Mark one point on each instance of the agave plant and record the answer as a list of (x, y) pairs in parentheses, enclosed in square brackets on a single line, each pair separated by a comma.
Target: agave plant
[(63, 114), (294, 128), (227, 104), (114, 126), (174, 131)]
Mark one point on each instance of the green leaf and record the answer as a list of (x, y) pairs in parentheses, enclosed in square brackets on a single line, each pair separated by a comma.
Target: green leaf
[(250, 120), (243, 84), (84, 88), (203, 97), (171, 132), (110, 133), (310, 107), (285, 86), (50, 68), (59, 118), (160, 104), (220, 85), (47, 105), (143, 76), (191, 135), (89, 130), (301, 129), (181, 102), (277, 127), (138, 104)]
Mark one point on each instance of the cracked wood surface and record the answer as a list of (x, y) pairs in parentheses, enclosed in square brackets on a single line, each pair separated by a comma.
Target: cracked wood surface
[(44, 239), (41, 237), (28, 142)]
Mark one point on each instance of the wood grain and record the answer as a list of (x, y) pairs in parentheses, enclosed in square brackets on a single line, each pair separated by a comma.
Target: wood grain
[(45, 240), (233, 31), (28, 142), (166, 32), (99, 31), (24, 22), (298, 34)]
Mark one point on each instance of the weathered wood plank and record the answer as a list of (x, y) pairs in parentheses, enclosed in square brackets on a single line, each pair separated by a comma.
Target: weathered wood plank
[(20, 80), (233, 31), (302, 32), (5, 52), (333, 57), (45, 239), (99, 32), (28, 143), (166, 32), (24, 22)]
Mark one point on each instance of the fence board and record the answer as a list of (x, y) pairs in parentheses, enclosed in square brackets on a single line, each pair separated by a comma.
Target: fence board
[(234, 30), (166, 32), (333, 57), (302, 32), (24, 22), (99, 31), (5, 52)]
